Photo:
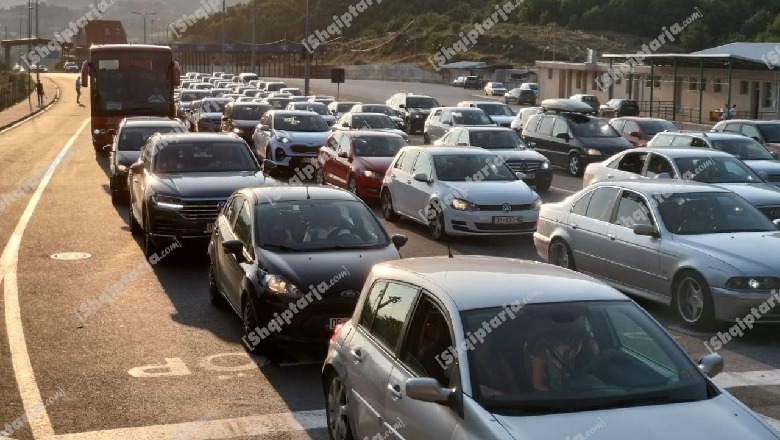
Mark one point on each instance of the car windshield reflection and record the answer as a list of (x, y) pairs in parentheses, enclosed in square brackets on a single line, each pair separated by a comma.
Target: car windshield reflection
[(711, 213)]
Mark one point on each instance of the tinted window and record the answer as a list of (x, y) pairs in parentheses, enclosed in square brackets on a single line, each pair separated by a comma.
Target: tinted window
[(133, 138), (654, 127), (250, 112), (471, 167), (711, 213), (657, 165), (771, 132), (716, 170), (243, 227), (600, 207), (189, 157), (745, 149), (377, 146), (496, 109), (632, 210), (496, 139), (580, 207), (632, 162), (428, 337), (392, 310), (378, 109), (213, 106), (421, 102), (592, 127), (372, 301), (309, 123), (371, 121)]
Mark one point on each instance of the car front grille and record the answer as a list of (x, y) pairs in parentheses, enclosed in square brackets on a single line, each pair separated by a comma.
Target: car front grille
[(202, 209), (501, 207), (305, 149), (773, 212), (524, 165)]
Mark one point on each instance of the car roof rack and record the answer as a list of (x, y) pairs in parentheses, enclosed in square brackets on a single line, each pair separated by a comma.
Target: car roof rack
[(566, 106)]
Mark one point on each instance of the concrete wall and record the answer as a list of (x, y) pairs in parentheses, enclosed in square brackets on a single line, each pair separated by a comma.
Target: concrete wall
[(391, 72)]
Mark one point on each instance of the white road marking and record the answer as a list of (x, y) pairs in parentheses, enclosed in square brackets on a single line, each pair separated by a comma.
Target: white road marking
[(20, 357), (568, 191), (213, 429)]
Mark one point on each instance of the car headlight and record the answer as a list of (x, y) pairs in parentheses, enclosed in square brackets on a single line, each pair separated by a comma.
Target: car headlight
[(372, 174), (277, 285), (463, 205), (752, 283), (238, 131), (121, 168), (545, 164), (537, 204), (592, 152), (167, 202), (284, 140)]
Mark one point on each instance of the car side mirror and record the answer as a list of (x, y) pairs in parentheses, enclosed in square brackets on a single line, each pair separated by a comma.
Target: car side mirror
[(763, 175), (427, 389), (399, 240), (711, 364), (268, 164), (755, 138), (137, 168), (520, 175), (345, 125), (343, 154), (265, 128), (107, 148), (564, 136), (401, 105), (422, 177), (446, 122), (648, 230), (463, 144), (776, 222), (235, 247), (635, 134), (224, 118)]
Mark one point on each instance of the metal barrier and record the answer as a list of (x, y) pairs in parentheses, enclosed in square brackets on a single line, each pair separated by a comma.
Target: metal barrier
[(15, 90)]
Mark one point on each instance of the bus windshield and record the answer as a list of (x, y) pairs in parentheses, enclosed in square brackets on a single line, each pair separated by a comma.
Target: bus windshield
[(132, 82)]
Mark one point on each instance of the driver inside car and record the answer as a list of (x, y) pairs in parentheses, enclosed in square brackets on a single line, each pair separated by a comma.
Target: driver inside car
[(329, 225)]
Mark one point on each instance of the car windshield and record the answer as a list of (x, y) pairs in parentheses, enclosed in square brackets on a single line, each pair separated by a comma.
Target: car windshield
[(343, 107), (366, 146), (716, 170), (192, 157), (498, 86), (190, 96), (318, 225), (711, 213), (378, 109), (125, 82), (471, 167), (471, 117), (312, 123), (250, 112), (421, 102), (592, 128), (745, 149), (654, 127), (495, 139), (496, 109), (373, 122), (771, 133), (580, 356), (214, 106), (133, 138), (320, 109), (278, 103)]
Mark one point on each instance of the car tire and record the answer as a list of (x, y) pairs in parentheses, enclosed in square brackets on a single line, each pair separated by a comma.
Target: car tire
[(116, 196), (149, 247), (408, 123), (135, 227), (336, 415), (426, 139), (560, 255), (268, 153), (436, 226), (215, 297), (319, 176), (388, 211), (544, 185), (575, 167), (692, 301), (506, 101), (249, 323), (352, 186)]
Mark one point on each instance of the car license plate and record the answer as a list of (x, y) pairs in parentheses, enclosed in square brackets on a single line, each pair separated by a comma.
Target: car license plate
[(530, 175), (209, 228), (506, 220), (335, 322)]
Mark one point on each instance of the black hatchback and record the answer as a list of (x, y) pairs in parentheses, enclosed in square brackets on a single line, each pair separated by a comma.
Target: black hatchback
[(292, 260)]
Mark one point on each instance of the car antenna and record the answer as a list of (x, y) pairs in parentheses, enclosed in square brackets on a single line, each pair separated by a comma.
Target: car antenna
[(449, 251)]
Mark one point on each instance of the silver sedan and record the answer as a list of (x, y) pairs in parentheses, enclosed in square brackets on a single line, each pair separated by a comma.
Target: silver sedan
[(492, 348), (702, 249)]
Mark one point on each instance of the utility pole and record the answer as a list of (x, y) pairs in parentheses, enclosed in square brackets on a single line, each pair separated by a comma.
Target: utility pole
[(29, 26), (307, 63), (38, 70), (144, 14), (223, 36), (254, 11)]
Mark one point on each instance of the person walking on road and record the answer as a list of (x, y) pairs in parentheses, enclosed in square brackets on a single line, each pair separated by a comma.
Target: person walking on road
[(78, 90), (41, 94)]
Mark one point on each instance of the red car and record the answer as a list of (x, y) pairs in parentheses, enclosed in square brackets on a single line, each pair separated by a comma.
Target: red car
[(357, 160), (638, 130)]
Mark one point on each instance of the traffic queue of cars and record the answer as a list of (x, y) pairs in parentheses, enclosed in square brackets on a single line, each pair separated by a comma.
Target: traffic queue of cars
[(308, 264)]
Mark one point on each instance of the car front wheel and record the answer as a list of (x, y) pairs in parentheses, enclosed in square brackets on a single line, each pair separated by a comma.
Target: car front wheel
[(436, 226), (560, 255), (693, 301), (337, 411), (388, 211), (215, 297), (575, 165)]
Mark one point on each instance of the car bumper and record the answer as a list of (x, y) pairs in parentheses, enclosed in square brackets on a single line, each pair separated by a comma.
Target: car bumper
[(312, 324), (542, 244), (417, 123), (483, 223), (368, 188), (540, 177), (170, 224), (731, 304)]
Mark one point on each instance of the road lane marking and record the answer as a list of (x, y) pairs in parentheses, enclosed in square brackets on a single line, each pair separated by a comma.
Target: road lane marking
[(20, 357), (266, 424), (568, 191)]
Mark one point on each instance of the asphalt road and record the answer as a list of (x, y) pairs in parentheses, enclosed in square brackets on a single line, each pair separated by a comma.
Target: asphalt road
[(157, 361)]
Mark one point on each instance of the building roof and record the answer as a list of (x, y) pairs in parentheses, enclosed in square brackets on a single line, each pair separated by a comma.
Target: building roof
[(465, 65), (740, 55)]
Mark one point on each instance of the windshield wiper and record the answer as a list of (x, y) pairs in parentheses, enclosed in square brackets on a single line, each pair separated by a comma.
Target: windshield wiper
[(526, 408), (281, 247)]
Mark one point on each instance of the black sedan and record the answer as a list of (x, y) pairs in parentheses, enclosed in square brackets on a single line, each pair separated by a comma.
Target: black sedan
[(126, 148), (520, 96), (181, 181), (292, 260)]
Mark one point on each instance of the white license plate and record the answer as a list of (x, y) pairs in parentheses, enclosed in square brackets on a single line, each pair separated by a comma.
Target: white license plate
[(530, 175), (506, 220), (209, 228), (335, 322)]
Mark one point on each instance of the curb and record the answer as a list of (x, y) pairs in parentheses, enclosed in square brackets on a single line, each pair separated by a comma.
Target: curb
[(3, 128)]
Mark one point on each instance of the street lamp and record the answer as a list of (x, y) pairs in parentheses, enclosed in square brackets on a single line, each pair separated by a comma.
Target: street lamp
[(151, 34), (144, 15)]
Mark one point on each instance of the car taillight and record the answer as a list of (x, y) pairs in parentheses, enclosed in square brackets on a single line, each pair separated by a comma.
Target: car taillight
[(336, 332)]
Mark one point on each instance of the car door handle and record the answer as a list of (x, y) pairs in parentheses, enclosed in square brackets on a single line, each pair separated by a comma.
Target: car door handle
[(357, 355), (611, 236), (574, 226), (395, 391), (610, 176)]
